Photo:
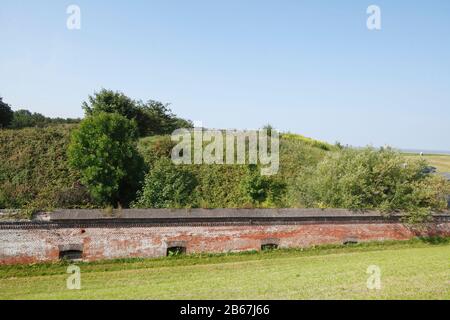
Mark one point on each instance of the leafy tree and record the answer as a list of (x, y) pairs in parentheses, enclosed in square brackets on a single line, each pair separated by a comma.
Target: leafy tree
[(110, 102), (155, 118), (6, 114), (166, 186), (104, 150), (152, 117)]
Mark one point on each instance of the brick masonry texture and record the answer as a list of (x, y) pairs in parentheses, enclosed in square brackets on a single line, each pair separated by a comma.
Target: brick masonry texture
[(145, 235)]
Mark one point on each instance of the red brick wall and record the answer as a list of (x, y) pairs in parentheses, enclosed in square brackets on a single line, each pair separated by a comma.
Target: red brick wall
[(43, 245)]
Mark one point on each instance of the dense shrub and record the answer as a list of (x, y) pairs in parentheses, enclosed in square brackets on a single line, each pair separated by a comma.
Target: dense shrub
[(220, 186), (103, 149), (34, 170), (167, 186), (262, 190), (375, 179), (155, 147)]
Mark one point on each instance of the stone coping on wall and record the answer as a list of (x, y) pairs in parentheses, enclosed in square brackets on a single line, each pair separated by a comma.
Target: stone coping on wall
[(149, 214), (88, 218)]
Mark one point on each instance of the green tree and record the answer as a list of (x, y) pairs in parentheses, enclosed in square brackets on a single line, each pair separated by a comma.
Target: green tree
[(166, 186), (110, 102), (155, 118), (103, 149), (6, 114), (152, 118)]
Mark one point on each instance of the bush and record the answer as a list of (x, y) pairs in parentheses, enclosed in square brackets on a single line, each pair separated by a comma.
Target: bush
[(166, 186), (262, 190), (376, 179), (155, 147), (104, 150)]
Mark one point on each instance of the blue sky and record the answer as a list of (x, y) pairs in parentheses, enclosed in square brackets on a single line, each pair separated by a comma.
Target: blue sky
[(310, 67)]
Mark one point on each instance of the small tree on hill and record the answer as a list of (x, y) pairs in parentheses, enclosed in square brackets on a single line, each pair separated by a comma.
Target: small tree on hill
[(104, 150)]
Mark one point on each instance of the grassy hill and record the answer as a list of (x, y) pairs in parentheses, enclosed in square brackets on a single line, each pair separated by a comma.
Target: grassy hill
[(35, 175), (221, 185), (34, 171)]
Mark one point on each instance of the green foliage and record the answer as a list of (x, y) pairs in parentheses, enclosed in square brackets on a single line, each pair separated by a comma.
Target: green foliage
[(155, 147), (34, 171), (35, 174), (242, 186), (108, 101), (376, 179), (26, 119), (298, 160), (156, 118), (262, 190), (103, 149), (220, 186), (152, 118), (166, 186), (6, 114)]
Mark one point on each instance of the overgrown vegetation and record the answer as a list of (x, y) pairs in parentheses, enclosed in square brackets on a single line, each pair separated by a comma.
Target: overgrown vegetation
[(376, 180), (34, 170), (166, 186), (108, 165)]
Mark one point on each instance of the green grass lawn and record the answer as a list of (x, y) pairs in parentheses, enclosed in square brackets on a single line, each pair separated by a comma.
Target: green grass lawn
[(409, 270), (441, 162)]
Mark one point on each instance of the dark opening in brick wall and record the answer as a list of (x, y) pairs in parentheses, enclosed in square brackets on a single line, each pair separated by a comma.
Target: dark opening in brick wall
[(71, 255), (175, 251), (269, 246), (70, 252), (350, 241)]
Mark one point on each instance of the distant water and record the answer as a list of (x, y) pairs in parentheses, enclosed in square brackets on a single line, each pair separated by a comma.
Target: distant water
[(418, 151)]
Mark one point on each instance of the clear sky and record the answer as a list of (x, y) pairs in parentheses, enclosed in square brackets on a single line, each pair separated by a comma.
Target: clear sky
[(310, 67)]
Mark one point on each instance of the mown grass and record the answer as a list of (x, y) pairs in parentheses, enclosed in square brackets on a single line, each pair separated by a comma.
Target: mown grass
[(441, 162), (416, 269)]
